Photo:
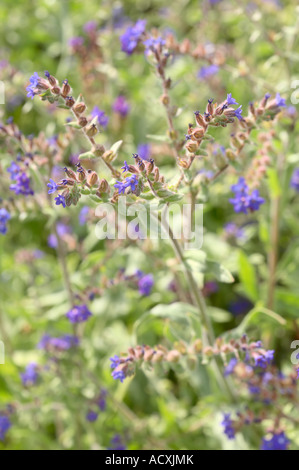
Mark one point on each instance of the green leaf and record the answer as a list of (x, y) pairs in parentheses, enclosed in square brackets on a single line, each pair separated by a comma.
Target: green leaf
[(274, 184), (219, 272), (248, 276)]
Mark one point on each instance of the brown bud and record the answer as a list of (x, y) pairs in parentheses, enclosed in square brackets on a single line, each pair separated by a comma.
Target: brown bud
[(150, 167), (197, 133), (191, 146), (199, 119), (165, 99), (70, 173), (55, 90), (69, 101), (81, 176), (104, 186), (65, 89), (158, 357), (93, 179), (52, 80), (183, 163), (141, 166), (162, 179), (91, 130), (133, 169), (79, 108), (173, 356), (148, 354), (156, 174), (82, 121)]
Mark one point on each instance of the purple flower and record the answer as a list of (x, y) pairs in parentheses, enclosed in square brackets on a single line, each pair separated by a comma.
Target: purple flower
[(253, 389), (91, 416), (100, 115), (61, 343), (234, 231), (238, 113), (22, 185), (228, 426), (5, 424), (243, 201), (4, 217), (263, 360), (121, 106), (117, 443), (14, 170), (90, 27), (76, 42), (130, 38), (281, 102), (230, 100), (83, 215), (241, 306), (125, 167), (144, 151), (60, 200), (32, 88), (52, 187), (130, 182), (153, 44), (30, 376), (115, 361), (118, 375), (295, 179), (230, 367), (79, 314), (207, 72), (276, 442), (145, 284)]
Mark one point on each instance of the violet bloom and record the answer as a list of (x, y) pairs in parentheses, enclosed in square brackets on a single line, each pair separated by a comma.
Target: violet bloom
[(61, 343), (145, 284), (22, 185), (32, 89), (4, 217), (276, 442), (90, 27), (117, 443), (263, 360), (52, 186), (83, 215), (14, 170), (100, 115), (130, 182), (230, 100), (230, 367), (243, 201), (280, 102), (79, 314), (5, 425), (144, 151), (295, 179), (121, 106), (153, 44), (30, 376), (227, 424), (119, 375), (241, 306), (60, 200), (131, 37), (207, 72), (91, 416), (232, 230), (76, 42)]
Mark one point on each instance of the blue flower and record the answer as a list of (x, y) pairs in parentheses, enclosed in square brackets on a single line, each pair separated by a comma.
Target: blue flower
[(145, 284), (52, 187), (83, 215), (276, 442), (115, 361), (263, 360), (230, 100), (14, 170), (144, 151), (153, 44), (234, 231), (5, 424), (281, 102), (130, 182), (79, 314), (295, 179), (238, 113), (60, 200), (91, 416), (121, 106), (4, 217), (130, 38), (76, 42), (61, 343), (100, 115), (125, 167), (243, 201), (230, 367), (118, 375), (22, 185), (117, 443), (32, 88), (30, 376), (227, 423), (207, 72)]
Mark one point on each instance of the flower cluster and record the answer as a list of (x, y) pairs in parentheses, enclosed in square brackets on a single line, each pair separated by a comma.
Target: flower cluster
[(58, 344), (132, 36), (4, 217), (5, 425), (22, 181), (30, 376), (244, 201), (78, 314)]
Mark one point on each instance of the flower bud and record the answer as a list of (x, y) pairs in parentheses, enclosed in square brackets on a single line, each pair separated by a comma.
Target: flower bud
[(192, 146), (55, 90), (52, 80), (158, 357), (70, 173), (141, 166), (104, 186), (199, 119), (210, 107), (148, 354), (98, 150), (165, 99), (93, 179), (65, 89), (79, 108), (82, 121), (91, 130), (69, 101), (173, 356), (156, 174), (197, 346), (197, 133), (150, 167)]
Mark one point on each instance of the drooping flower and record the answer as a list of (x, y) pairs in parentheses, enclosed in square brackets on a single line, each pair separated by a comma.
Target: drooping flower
[(30, 376), (91, 416), (207, 72), (281, 102), (52, 186), (238, 113), (130, 182), (101, 400), (295, 179), (145, 284), (227, 423), (278, 441), (5, 425), (241, 306), (230, 100), (119, 375), (60, 200), (32, 88), (79, 314), (102, 118), (121, 106), (243, 201), (60, 343), (130, 38)]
